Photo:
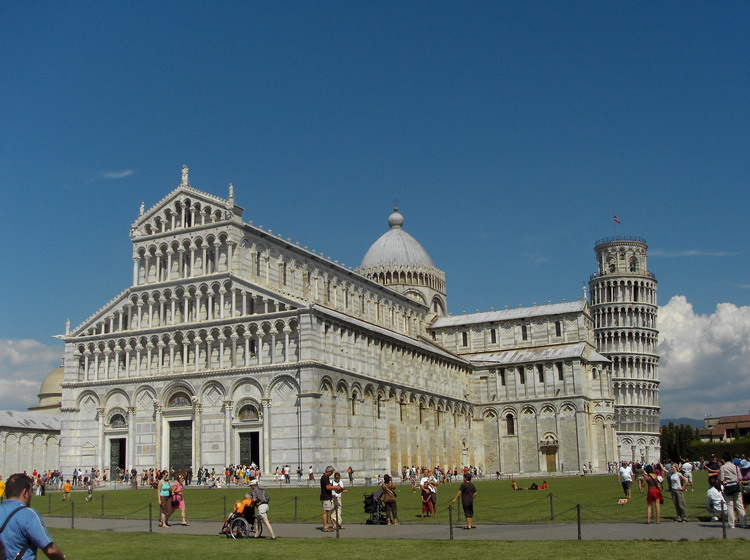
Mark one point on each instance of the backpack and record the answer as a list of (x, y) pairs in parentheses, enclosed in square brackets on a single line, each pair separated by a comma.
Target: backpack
[(263, 498)]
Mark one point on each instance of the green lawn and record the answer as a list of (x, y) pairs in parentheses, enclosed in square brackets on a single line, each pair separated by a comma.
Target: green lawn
[(91, 545), (496, 502)]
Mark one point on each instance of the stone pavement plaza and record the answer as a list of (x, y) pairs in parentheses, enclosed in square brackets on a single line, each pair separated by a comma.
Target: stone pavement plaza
[(667, 530)]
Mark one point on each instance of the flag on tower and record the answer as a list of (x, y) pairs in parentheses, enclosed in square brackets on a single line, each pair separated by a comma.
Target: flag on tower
[(617, 220)]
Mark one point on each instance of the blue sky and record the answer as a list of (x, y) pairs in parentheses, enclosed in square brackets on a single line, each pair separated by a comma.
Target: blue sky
[(509, 132)]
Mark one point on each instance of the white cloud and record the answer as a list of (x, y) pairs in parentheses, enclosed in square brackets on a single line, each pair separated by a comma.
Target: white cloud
[(118, 174), (23, 366), (705, 360), (691, 253)]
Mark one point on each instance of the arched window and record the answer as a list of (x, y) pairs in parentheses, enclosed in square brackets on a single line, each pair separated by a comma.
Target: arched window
[(117, 421), (510, 426), (179, 400), (248, 413)]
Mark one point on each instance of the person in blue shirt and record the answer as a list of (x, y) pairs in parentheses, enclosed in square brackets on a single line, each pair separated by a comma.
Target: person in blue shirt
[(24, 531)]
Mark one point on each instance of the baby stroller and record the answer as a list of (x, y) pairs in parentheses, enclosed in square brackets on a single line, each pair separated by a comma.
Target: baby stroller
[(375, 508), (242, 525)]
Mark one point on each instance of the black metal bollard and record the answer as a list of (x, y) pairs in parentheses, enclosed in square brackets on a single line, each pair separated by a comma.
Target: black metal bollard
[(450, 521), (49, 503), (102, 505), (296, 499), (458, 514), (150, 518), (724, 520), (578, 508), (551, 508), (338, 527), (72, 515), (225, 507)]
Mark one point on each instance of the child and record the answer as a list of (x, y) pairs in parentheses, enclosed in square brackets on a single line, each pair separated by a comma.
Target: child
[(90, 491), (66, 491)]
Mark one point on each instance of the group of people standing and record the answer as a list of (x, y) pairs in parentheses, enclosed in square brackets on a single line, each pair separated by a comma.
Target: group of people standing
[(727, 478)]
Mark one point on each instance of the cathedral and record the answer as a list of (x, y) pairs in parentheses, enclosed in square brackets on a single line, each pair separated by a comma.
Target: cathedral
[(234, 345)]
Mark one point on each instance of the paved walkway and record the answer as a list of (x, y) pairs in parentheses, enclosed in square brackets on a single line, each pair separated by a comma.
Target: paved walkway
[(668, 530)]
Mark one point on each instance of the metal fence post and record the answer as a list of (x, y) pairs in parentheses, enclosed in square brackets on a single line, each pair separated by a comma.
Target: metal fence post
[(578, 508), (296, 499), (102, 505), (49, 503), (150, 518), (72, 515), (225, 507), (551, 508), (450, 521)]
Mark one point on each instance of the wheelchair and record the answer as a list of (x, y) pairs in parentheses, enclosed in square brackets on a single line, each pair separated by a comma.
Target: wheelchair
[(245, 525)]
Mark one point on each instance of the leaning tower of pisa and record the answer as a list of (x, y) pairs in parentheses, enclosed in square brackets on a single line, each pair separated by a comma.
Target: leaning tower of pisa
[(624, 307)]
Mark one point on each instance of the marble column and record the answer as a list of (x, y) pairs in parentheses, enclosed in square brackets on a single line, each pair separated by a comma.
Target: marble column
[(266, 435), (228, 407), (100, 446), (130, 446)]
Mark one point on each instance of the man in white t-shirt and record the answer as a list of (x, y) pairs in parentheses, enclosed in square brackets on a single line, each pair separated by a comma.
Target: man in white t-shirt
[(687, 471), (625, 477)]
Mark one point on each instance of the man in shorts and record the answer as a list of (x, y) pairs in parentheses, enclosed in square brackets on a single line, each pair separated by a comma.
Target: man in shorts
[(687, 472), (625, 477), (326, 496), (468, 492), (260, 500)]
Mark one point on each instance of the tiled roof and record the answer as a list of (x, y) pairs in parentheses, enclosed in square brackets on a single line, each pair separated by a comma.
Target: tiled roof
[(29, 421), (547, 353), (510, 314)]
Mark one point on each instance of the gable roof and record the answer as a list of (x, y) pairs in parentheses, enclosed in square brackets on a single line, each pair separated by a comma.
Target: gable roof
[(35, 421), (548, 353), (511, 314)]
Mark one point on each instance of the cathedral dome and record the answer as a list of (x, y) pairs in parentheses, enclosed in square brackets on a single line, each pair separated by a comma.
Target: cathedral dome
[(50, 393), (396, 248)]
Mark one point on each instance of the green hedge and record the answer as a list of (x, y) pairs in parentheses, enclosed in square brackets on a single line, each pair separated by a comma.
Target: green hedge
[(735, 448)]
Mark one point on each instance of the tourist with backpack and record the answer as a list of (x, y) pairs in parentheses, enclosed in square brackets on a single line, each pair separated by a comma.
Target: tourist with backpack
[(21, 527), (260, 501)]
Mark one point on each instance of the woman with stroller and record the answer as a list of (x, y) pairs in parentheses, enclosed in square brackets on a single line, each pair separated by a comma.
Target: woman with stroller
[(388, 497)]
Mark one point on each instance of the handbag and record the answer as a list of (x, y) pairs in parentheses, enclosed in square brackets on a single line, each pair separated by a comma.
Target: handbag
[(731, 488)]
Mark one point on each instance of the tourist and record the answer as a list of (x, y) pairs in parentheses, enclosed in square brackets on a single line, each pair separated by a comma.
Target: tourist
[(715, 503), (687, 472), (24, 530), (625, 478), (731, 480), (326, 496), (426, 494), (712, 468), (677, 485), (260, 500), (336, 517), (468, 492), (67, 487), (350, 471), (388, 498), (2, 488), (164, 495), (310, 474), (178, 497), (654, 496)]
